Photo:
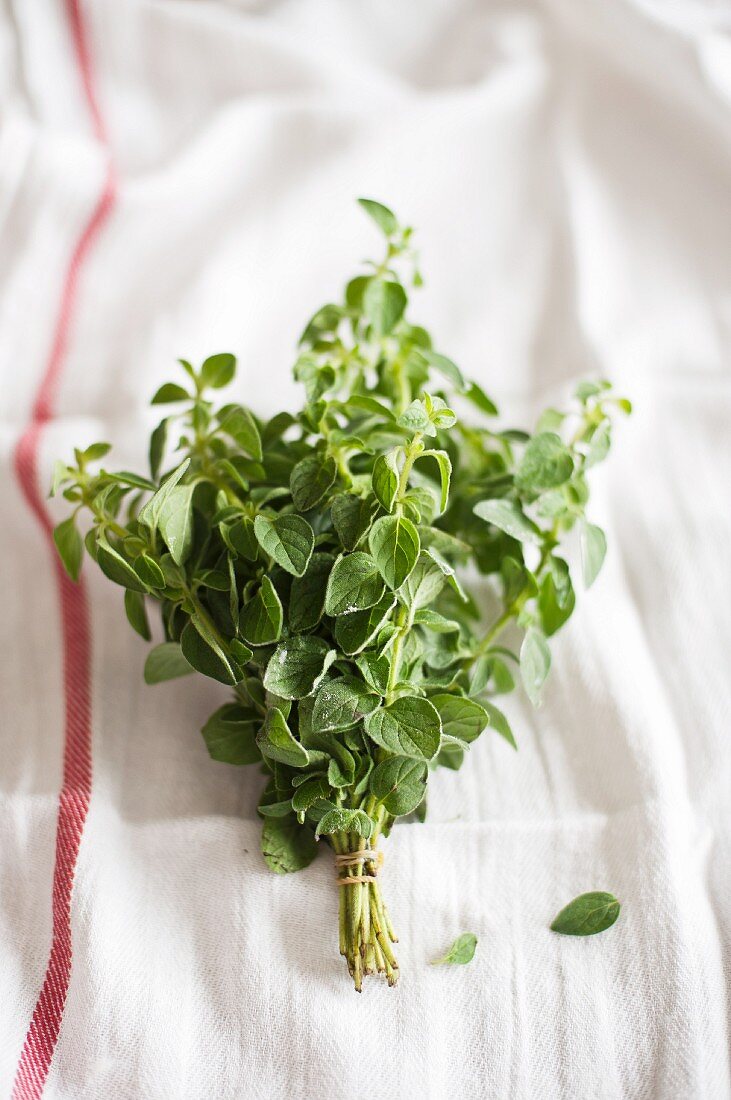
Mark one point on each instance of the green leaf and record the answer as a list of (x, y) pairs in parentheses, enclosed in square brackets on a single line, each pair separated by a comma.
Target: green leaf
[(307, 595), (354, 632), (260, 621), (96, 451), (416, 419), (158, 442), (386, 479), (593, 552), (240, 538), (70, 546), (149, 571), (400, 784), (450, 756), (508, 517), (423, 584), (114, 566), (345, 821), (586, 389), (588, 914), (446, 368), (461, 952), (351, 517), (460, 717), (134, 607), (165, 662), (499, 723), (599, 446), (176, 522), (432, 620), (286, 538), (218, 370), (384, 303), (287, 846), (445, 472), (553, 614), (394, 544), (371, 405), (311, 480), (535, 662), (354, 585), (239, 424), (170, 392), (449, 572), (203, 653), (384, 218), (480, 400), (408, 727), (546, 463), (374, 669), (298, 666), (339, 704), (276, 742), (230, 735), (310, 792), (150, 515), (61, 474)]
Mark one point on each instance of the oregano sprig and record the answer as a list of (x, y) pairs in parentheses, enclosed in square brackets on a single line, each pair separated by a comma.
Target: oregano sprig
[(314, 563)]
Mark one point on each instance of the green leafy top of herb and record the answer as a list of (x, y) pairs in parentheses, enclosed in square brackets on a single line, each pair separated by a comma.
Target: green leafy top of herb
[(315, 563)]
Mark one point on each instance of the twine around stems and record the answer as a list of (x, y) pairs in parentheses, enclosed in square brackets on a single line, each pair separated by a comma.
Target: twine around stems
[(350, 859)]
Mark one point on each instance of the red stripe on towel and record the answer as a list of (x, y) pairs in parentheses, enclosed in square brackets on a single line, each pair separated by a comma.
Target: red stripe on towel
[(73, 803)]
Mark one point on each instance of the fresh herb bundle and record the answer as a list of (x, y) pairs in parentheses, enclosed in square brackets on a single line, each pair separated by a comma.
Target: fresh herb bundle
[(314, 563)]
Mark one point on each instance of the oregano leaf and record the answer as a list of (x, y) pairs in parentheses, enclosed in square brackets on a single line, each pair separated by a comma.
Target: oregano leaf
[(587, 915)]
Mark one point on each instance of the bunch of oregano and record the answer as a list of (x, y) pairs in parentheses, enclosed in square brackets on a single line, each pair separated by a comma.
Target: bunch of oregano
[(314, 563)]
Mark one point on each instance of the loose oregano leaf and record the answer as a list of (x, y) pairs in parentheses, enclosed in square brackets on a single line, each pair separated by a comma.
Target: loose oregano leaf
[(587, 914), (460, 953)]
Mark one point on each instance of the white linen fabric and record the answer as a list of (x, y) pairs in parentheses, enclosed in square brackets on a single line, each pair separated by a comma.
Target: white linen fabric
[(568, 166)]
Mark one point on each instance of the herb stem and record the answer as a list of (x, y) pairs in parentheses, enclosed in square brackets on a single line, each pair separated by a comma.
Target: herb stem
[(393, 673)]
